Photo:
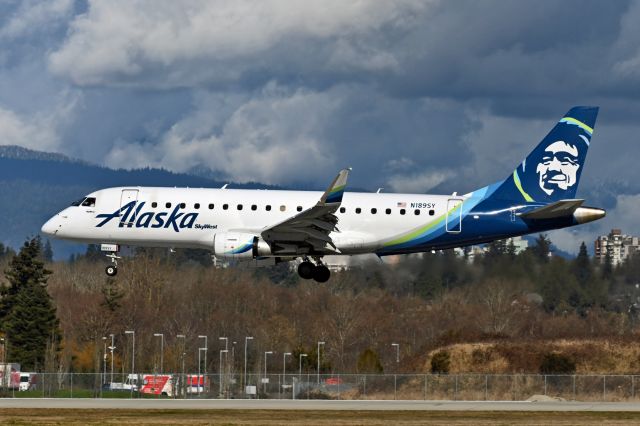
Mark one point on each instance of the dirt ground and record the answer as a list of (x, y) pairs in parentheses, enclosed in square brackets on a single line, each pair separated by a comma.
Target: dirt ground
[(311, 417)]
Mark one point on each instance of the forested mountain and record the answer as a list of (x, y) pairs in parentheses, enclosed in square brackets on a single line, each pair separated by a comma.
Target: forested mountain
[(35, 185)]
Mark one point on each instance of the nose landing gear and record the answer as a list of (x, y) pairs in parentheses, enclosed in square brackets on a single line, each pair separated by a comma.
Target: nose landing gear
[(112, 269), (112, 249), (320, 273)]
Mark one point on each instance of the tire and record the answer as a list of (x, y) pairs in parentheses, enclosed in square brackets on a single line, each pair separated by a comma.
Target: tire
[(321, 274), (111, 270), (306, 270)]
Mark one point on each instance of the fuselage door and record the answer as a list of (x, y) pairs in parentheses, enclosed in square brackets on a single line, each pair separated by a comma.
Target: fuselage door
[(454, 215), (128, 196)]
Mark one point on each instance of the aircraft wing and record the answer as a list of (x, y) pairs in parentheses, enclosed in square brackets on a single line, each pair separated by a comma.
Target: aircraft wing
[(558, 209), (311, 228)]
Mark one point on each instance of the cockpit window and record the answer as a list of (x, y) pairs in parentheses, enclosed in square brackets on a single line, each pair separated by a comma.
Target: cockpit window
[(78, 202), (89, 202)]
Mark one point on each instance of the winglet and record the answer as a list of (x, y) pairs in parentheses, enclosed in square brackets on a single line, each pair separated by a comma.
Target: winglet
[(333, 194)]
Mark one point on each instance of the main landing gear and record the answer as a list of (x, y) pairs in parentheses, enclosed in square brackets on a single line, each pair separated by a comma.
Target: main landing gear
[(307, 270)]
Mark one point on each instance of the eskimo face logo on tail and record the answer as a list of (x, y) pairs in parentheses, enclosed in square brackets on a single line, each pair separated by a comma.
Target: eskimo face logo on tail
[(558, 168), (129, 215)]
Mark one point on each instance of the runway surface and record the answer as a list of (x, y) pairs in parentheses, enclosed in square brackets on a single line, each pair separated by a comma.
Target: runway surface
[(368, 405)]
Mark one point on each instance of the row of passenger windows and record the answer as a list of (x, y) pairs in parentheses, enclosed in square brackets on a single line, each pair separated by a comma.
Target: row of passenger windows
[(283, 208)]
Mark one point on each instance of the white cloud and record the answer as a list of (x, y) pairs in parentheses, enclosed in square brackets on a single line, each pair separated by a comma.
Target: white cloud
[(34, 15), (41, 130), (173, 44), (273, 138), (418, 182)]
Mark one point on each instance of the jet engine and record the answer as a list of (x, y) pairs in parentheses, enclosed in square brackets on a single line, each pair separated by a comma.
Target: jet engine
[(239, 246)]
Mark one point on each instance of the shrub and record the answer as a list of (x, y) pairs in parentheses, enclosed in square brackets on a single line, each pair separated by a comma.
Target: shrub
[(441, 362), (369, 362), (556, 363)]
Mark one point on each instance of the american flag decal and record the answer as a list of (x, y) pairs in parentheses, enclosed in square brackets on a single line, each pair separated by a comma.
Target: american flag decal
[(402, 205)]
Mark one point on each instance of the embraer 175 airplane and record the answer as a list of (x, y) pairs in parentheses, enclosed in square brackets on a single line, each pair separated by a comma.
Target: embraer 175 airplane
[(265, 227)]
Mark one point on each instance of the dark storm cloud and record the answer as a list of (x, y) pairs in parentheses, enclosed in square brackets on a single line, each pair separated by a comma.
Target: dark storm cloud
[(415, 95)]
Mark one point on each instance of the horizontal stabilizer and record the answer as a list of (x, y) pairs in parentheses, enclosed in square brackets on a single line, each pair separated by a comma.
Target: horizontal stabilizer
[(555, 210)]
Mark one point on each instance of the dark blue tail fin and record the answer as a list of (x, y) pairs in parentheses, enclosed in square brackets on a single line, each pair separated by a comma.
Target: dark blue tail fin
[(552, 171)]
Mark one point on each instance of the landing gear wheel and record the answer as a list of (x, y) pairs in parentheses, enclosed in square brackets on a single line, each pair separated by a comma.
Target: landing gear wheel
[(306, 270), (111, 270), (321, 274)]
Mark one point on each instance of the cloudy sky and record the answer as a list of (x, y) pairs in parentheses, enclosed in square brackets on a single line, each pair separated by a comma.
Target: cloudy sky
[(416, 96)]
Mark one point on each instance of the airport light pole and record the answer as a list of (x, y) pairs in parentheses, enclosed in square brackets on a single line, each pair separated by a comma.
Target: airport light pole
[(397, 346), (112, 348), (244, 377), (4, 359), (226, 348), (183, 337), (205, 348), (301, 356), (265, 369), (220, 378), (199, 364), (104, 360), (319, 343), (133, 355), (161, 336), (284, 367)]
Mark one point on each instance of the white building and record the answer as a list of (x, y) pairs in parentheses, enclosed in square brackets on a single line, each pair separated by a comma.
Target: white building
[(618, 245)]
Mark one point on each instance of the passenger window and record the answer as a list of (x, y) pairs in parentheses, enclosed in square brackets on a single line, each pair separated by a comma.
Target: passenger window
[(254, 207), (283, 208), (358, 210), (374, 211), (402, 211), (225, 206), (89, 202), (299, 208), (432, 212), (183, 205), (388, 211), (417, 212), (267, 208), (168, 205), (210, 206), (154, 205), (196, 206), (342, 210), (239, 206)]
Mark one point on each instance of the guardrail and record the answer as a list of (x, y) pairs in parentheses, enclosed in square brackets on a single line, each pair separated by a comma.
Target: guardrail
[(467, 387)]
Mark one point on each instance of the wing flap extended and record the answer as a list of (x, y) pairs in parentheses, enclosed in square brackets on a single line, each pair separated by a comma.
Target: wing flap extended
[(311, 227), (555, 210)]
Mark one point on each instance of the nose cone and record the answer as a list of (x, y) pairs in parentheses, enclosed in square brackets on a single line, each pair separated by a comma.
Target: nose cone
[(51, 227)]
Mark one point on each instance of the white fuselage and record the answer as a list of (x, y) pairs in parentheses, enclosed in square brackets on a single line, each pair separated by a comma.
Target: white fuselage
[(365, 220)]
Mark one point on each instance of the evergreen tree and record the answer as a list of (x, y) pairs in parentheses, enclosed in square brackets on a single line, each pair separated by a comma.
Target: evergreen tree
[(542, 248), (582, 266), (47, 252), (31, 325), (27, 314), (511, 249), (25, 268), (607, 266), (93, 253), (112, 294)]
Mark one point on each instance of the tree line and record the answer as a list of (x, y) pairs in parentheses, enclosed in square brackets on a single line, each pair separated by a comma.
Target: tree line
[(55, 315)]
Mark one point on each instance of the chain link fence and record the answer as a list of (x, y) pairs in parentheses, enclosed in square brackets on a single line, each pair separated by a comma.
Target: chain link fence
[(461, 387)]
